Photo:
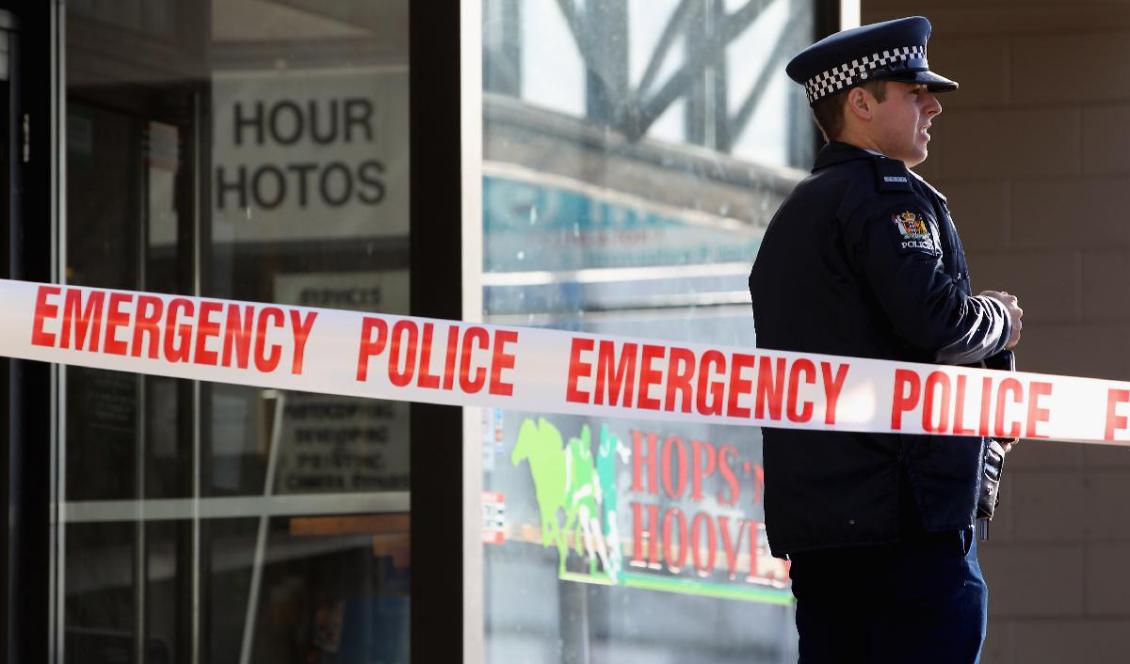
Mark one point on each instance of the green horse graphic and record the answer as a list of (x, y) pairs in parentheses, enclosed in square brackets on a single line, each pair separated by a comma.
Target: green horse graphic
[(540, 445), (583, 499), (609, 449), (565, 480)]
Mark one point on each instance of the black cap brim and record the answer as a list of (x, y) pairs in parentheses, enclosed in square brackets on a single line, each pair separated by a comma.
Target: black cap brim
[(933, 81)]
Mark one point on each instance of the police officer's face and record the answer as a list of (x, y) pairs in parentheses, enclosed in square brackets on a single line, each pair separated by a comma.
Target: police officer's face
[(902, 121)]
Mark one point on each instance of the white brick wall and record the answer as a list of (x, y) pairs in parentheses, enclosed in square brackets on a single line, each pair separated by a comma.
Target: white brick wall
[(1033, 153)]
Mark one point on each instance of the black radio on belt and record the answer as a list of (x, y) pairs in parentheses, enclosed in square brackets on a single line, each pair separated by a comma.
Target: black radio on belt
[(993, 466)]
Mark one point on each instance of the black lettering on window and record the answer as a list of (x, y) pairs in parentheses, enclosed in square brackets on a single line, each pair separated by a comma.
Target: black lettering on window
[(344, 190), (358, 111), (255, 122), (372, 188), (257, 187), (282, 131), (239, 186), (328, 134), (302, 169)]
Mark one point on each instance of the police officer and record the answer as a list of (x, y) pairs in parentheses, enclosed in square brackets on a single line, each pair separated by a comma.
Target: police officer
[(863, 259)]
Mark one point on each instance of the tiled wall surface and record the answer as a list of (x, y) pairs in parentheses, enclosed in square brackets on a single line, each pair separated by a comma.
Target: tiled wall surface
[(1033, 153)]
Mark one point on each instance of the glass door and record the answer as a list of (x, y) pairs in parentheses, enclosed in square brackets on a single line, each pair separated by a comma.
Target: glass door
[(255, 150)]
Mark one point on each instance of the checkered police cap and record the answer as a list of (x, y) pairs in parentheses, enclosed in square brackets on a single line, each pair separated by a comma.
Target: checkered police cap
[(893, 50)]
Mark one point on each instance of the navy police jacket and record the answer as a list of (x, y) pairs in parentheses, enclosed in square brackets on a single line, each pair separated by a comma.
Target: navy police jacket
[(862, 259)]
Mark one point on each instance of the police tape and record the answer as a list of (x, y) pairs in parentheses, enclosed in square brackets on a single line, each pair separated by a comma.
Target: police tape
[(532, 369)]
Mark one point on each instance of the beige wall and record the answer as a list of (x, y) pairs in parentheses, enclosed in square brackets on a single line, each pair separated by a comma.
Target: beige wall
[(1033, 153)]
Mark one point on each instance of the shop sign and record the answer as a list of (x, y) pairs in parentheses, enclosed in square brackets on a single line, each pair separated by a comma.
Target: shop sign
[(330, 443), (647, 506), (310, 154)]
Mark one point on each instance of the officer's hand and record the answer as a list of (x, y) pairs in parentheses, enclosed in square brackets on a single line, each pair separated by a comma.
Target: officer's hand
[(1015, 313)]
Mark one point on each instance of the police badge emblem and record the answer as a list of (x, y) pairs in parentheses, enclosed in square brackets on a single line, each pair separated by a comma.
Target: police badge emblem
[(914, 231), (911, 225)]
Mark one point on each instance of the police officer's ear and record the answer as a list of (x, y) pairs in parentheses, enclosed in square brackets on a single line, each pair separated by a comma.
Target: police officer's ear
[(861, 103)]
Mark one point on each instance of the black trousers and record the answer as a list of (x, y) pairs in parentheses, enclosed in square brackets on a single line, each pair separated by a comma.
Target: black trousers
[(921, 601)]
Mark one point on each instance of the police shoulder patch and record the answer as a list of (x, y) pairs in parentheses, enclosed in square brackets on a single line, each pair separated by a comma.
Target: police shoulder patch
[(914, 233)]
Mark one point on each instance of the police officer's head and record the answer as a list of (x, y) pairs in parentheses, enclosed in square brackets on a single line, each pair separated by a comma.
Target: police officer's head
[(872, 86)]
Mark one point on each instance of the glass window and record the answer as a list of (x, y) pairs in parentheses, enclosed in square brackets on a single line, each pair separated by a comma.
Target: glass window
[(254, 150), (633, 154)]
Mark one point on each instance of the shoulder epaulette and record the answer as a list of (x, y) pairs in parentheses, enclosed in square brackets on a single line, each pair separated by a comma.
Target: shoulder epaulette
[(892, 175)]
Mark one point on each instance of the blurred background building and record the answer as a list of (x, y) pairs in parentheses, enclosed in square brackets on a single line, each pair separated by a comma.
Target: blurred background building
[(596, 165)]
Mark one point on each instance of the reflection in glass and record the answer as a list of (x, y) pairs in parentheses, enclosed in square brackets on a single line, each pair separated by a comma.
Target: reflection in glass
[(338, 590), (101, 607), (633, 154)]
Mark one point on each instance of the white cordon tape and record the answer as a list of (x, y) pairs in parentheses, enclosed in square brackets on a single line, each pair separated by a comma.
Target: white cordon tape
[(529, 369)]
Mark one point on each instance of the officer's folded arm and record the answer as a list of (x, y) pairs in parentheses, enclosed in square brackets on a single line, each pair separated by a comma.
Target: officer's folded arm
[(925, 305), (987, 333)]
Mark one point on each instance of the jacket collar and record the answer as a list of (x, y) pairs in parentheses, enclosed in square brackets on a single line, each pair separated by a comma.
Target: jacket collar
[(836, 152)]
